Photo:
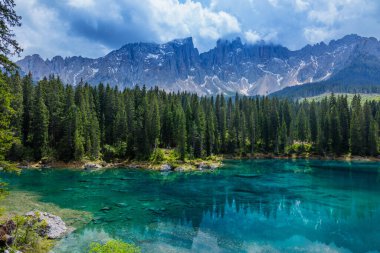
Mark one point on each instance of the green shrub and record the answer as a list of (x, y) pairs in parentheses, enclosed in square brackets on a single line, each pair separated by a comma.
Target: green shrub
[(20, 153), (113, 246), (157, 156), (111, 152), (26, 237), (299, 148)]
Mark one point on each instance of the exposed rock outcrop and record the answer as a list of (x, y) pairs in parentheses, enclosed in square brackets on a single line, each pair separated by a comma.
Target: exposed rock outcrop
[(55, 227)]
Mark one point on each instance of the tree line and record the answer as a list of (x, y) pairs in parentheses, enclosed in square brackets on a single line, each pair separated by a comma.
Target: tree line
[(50, 120)]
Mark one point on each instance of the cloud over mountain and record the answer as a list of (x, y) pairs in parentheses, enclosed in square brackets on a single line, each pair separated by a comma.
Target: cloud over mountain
[(92, 28)]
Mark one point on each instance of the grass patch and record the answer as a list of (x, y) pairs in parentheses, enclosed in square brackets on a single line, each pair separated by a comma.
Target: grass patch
[(172, 158), (19, 203)]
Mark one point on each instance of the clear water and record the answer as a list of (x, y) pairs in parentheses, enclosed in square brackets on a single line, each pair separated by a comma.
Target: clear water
[(247, 206)]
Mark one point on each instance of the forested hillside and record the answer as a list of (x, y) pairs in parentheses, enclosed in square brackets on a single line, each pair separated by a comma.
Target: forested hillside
[(51, 120), (362, 75)]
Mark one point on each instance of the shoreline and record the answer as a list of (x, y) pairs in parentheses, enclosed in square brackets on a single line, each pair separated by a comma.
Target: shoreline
[(188, 166), (179, 166)]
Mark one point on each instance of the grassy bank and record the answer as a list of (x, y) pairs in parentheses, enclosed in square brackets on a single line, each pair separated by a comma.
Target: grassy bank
[(158, 161), (18, 203), (168, 157)]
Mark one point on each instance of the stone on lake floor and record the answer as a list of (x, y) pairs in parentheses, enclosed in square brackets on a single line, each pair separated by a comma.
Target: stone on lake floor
[(91, 166), (121, 204), (12, 251), (179, 169), (126, 179), (247, 175), (203, 166), (55, 226), (165, 167)]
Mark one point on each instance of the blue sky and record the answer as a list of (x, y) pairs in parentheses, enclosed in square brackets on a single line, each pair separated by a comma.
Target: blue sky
[(92, 28)]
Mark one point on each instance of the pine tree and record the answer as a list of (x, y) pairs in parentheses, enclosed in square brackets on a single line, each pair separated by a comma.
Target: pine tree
[(6, 114), (344, 122), (27, 90), (16, 103), (154, 121), (313, 122), (209, 131), (335, 137), (373, 138), (356, 134), (181, 133), (302, 125), (40, 124), (282, 138), (9, 46), (199, 130)]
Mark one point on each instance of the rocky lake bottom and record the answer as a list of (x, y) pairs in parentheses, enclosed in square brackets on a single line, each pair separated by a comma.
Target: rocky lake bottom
[(245, 206)]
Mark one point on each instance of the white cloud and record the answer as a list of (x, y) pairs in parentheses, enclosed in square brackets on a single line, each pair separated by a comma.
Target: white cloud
[(171, 19), (45, 33), (301, 5), (295, 23), (81, 3), (252, 36), (92, 28), (315, 34), (52, 29)]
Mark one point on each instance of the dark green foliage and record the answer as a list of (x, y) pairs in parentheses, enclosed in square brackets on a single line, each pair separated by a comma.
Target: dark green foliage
[(7, 113), (65, 123), (40, 124), (8, 46), (356, 127)]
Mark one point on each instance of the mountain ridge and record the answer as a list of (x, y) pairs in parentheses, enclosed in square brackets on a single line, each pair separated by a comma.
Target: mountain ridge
[(229, 67)]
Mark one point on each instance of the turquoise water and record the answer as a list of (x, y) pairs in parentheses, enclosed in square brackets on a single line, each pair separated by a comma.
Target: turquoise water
[(247, 206)]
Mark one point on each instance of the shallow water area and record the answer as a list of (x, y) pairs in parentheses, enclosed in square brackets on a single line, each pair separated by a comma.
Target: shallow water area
[(246, 206)]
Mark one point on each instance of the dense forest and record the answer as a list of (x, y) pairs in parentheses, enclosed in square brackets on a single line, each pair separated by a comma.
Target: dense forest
[(50, 120)]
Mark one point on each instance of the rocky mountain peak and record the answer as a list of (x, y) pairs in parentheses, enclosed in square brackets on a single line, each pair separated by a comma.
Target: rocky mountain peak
[(232, 66)]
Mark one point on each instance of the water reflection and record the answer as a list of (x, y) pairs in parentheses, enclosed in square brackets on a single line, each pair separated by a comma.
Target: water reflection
[(249, 206)]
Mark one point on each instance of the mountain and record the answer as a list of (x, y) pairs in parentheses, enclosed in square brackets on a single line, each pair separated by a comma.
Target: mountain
[(361, 75), (232, 66)]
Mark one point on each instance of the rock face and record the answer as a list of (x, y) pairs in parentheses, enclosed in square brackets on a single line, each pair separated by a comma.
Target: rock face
[(230, 67), (55, 227)]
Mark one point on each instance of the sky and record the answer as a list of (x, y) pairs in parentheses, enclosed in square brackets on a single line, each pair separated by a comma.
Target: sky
[(93, 28)]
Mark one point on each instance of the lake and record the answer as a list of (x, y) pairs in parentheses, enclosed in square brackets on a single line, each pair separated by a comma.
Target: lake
[(246, 206)]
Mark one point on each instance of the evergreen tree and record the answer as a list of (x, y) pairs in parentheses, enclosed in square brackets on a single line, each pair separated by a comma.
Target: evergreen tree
[(181, 133), (40, 124), (313, 122), (6, 114), (373, 138), (9, 46), (335, 137), (86, 122), (356, 134), (16, 103), (27, 90)]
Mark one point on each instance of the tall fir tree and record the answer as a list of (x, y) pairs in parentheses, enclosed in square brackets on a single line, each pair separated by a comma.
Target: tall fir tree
[(40, 125)]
